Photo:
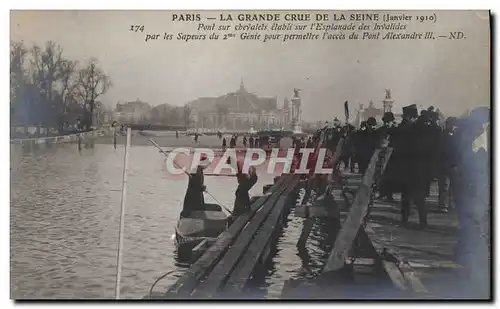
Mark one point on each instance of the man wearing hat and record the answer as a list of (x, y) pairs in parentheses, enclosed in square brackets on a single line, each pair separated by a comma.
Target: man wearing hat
[(410, 153), (430, 133), (357, 140), (390, 175), (410, 113), (334, 135), (367, 142), (347, 154)]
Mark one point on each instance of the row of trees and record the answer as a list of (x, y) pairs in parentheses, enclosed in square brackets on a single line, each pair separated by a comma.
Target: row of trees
[(184, 116), (47, 88), (167, 114)]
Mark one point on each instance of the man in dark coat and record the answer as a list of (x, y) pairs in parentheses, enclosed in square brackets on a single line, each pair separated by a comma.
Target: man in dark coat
[(367, 142), (245, 183), (357, 138), (433, 136), (448, 148), (413, 164), (347, 155), (309, 143), (337, 134), (385, 133), (194, 199)]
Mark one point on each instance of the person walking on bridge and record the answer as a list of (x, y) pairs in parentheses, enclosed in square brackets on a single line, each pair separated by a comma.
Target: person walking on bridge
[(415, 171), (389, 180), (448, 150), (367, 143)]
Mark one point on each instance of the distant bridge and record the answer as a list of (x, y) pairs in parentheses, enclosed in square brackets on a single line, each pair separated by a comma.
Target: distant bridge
[(161, 127), (154, 127)]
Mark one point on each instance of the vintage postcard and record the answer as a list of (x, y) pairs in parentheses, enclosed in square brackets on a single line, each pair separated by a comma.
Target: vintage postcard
[(250, 154)]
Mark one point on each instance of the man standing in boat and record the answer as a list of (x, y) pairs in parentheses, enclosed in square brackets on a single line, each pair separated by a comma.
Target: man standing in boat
[(194, 199), (245, 183)]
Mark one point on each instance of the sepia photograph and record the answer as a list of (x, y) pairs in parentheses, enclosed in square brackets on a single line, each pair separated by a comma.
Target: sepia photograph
[(249, 155)]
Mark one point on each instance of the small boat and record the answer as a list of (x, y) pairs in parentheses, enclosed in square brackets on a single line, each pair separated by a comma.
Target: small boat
[(199, 226)]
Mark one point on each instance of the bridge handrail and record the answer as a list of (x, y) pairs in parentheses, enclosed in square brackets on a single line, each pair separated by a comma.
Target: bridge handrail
[(20, 140), (356, 215)]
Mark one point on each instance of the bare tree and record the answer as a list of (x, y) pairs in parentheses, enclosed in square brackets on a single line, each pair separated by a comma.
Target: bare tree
[(68, 87), (187, 116), (18, 54), (58, 84), (92, 83), (173, 116), (45, 69)]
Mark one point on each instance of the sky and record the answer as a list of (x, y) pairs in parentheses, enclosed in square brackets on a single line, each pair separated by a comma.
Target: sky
[(453, 75)]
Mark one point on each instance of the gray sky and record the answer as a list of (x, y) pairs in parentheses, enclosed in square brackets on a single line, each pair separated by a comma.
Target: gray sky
[(451, 75)]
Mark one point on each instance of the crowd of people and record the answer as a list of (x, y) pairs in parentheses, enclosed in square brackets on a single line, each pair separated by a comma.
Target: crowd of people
[(454, 153), (249, 141)]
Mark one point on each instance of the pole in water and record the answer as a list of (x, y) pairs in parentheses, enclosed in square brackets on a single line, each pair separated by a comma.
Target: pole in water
[(189, 175), (122, 216), (114, 137)]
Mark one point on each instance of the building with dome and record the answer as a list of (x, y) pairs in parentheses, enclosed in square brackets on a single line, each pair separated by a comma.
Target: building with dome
[(240, 110)]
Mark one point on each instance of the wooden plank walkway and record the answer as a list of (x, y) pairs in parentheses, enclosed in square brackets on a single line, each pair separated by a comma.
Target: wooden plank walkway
[(418, 263), (350, 237), (209, 273), (259, 250), (402, 262), (425, 257), (237, 264)]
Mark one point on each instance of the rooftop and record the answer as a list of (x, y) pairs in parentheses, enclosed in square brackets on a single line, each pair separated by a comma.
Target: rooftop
[(238, 101)]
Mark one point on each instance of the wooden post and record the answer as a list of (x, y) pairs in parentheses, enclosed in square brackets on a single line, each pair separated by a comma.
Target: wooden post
[(308, 222), (354, 219), (114, 136), (122, 216)]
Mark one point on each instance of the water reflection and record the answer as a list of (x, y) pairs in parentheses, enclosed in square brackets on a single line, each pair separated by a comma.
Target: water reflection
[(64, 217)]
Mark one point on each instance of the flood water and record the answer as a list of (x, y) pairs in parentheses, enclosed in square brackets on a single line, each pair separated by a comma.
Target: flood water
[(64, 222)]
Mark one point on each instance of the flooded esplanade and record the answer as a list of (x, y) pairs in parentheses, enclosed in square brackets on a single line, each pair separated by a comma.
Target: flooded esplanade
[(120, 143), (65, 210)]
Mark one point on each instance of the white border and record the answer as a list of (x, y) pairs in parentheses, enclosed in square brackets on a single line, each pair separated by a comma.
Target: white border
[(178, 5)]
